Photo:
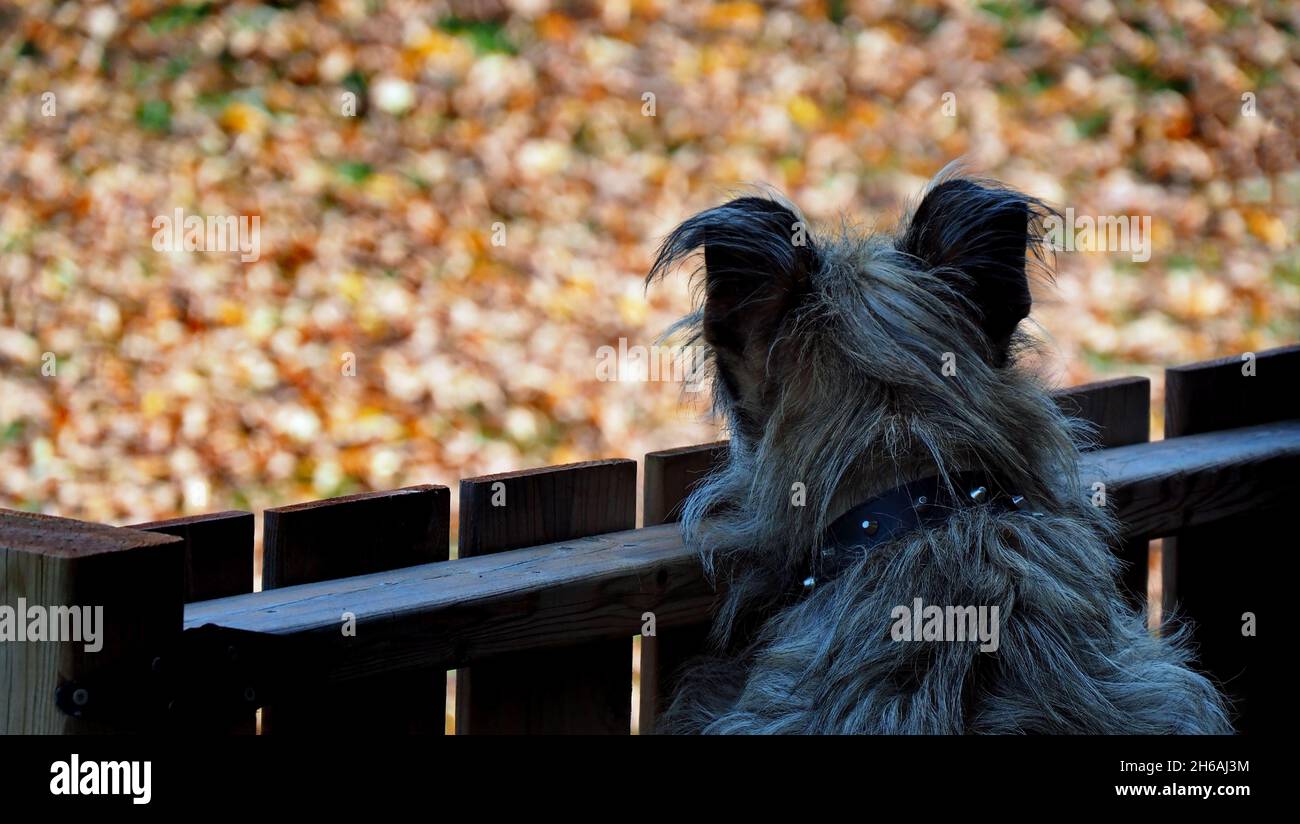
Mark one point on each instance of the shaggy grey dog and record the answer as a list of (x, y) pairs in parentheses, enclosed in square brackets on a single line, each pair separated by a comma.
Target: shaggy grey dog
[(828, 359)]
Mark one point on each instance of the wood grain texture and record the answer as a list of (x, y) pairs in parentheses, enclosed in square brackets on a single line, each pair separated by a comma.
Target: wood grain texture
[(456, 613), (356, 535), (218, 552), (580, 688), (136, 577), (670, 475), (557, 502), (1214, 395), (1219, 572)]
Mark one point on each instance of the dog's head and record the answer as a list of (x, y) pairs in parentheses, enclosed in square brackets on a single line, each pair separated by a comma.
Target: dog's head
[(784, 310), (847, 364)]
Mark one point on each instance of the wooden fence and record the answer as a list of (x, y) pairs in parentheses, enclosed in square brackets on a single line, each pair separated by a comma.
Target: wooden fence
[(363, 614)]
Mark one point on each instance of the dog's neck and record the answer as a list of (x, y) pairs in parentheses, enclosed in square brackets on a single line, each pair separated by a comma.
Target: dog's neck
[(904, 508), (870, 481)]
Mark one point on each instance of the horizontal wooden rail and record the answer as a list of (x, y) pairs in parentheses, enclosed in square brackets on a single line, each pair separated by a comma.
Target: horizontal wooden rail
[(453, 613)]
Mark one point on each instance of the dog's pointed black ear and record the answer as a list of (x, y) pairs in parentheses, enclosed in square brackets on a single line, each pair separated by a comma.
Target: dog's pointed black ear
[(758, 257), (758, 261), (981, 234)]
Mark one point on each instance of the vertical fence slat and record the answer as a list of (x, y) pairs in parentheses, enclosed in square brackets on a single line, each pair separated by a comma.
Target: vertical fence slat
[(669, 477), (218, 551), (583, 689), (136, 577), (355, 535), (1219, 572), (1214, 395), (358, 535), (1120, 409), (671, 474)]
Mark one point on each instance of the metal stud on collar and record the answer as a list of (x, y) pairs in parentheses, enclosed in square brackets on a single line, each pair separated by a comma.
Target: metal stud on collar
[(979, 494)]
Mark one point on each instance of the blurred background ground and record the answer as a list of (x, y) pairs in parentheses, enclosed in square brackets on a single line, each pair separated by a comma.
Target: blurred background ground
[(193, 382)]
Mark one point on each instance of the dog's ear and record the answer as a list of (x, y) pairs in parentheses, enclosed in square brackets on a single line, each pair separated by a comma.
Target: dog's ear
[(977, 238), (755, 271), (758, 260)]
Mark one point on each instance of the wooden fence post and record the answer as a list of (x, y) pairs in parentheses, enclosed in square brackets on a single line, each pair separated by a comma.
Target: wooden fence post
[(1220, 572), (135, 577), (356, 535), (218, 549), (583, 689), (670, 475), (1120, 409)]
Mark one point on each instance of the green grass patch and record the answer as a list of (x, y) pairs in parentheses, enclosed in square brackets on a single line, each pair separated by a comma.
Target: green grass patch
[(354, 171), (178, 17), (13, 431), (1092, 124), (154, 116), (1012, 11), (1147, 80), (487, 36)]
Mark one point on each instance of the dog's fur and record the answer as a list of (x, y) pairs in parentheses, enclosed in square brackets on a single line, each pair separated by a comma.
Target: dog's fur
[(827, 359)]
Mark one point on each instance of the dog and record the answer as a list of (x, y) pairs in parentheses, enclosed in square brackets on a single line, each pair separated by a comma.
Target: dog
[(888, 453)]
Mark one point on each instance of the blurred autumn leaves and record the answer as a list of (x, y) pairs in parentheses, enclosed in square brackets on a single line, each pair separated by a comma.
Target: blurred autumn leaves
[(189, 382)]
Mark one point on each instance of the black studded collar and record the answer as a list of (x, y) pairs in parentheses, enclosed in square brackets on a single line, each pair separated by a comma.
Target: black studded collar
[(901, 509)]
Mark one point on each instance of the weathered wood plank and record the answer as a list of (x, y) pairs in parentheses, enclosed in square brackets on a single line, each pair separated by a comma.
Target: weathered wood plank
[(219, 549), (1119, 408), (670, 475), (1218, 573), (355, 535), (137, 579), (1215, 395), (584, 688), (592, 588), (218, 552)]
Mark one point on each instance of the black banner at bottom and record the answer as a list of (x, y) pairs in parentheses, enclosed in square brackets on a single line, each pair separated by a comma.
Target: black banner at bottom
[(132, 775)]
